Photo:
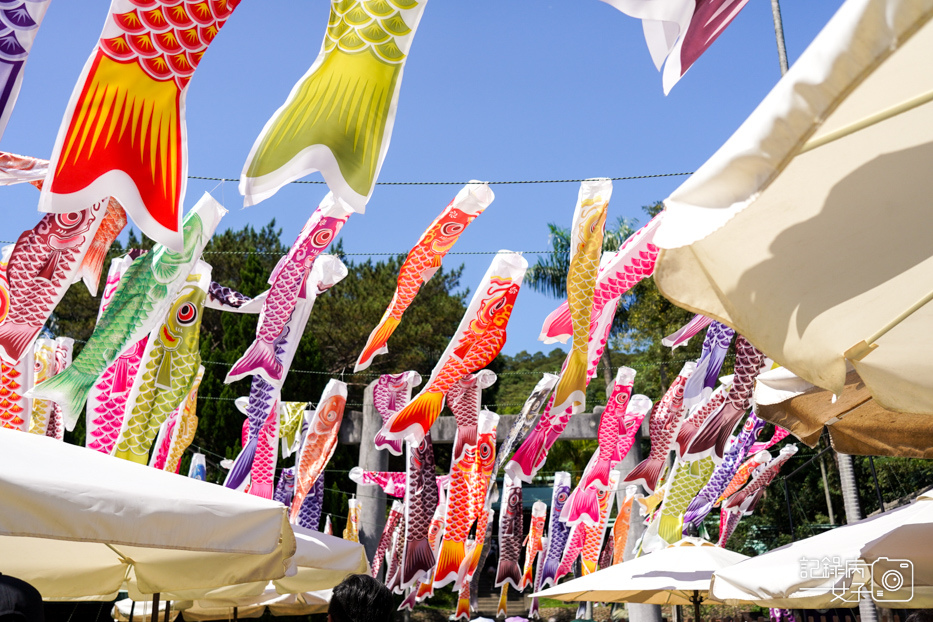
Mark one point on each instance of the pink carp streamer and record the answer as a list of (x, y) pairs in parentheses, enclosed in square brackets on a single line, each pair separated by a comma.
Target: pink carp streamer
[(391, 482), (687, 332), (43, 265), (583, 503), (287, 283), (663, 427), (106, 403), (595, 534), (697, 416), (463, 399), (779, 435)]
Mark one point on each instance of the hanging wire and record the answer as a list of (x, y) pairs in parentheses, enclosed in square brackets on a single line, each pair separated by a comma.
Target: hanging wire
[(317, 182)]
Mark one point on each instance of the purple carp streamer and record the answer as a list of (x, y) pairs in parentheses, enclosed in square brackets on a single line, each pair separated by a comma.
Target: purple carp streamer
[(558, 532), (463, 399), (712, 436), (510, 534), (285, 489), (309, 515), (703, 503), (715, 346), (395, 515), (420, 502)]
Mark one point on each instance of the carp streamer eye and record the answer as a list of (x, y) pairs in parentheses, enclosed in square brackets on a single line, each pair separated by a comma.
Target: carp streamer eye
[(451, 229), (330, 415), (562, 497), (69, 220), (187, 314), (322, 238), (485, 451)]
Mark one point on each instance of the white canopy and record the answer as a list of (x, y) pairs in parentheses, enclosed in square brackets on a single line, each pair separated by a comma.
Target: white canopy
[(79, 524), (277, 604), (827, 570), (809, 230), (668, 577), (320, 563)]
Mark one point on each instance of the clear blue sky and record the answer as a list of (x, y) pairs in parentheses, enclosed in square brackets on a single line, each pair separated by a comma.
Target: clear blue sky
[(493, 90)]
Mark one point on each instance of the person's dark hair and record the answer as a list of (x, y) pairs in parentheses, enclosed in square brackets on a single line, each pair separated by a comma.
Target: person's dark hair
[(360, 598), (920, 615), (19, 601)]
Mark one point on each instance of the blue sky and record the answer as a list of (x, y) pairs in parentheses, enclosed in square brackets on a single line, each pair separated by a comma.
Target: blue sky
[(493, 90)]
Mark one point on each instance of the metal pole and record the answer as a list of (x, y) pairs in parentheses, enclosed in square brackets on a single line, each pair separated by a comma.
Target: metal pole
[(874, 476), (854, 513), (132, 609), (696, 605), (636, 612), (235, 614), (154, 614), (373, 512), (168, 611), (779, 35), (829, 501), (790, 516)]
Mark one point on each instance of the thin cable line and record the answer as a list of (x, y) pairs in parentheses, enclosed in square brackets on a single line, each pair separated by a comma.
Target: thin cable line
[(463, 183)]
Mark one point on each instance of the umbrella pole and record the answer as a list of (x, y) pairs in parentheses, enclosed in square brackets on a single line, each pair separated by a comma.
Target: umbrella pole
[(154, 615), (874, 476), (132, 609), (168, 611), (696, 605), (790, 516), (234, 614)]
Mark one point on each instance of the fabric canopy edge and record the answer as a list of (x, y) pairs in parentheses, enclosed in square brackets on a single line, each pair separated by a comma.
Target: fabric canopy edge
[(782, 124)]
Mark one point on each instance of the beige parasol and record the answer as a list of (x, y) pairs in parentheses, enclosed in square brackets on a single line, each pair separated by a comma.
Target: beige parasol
[(809, 230)]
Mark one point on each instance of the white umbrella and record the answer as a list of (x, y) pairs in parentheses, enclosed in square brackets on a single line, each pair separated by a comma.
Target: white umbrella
[(320, 563), (79, 524), (809, 230), (888, 553), (676, 575), (857, 424), (277, 604), (126, 609)]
